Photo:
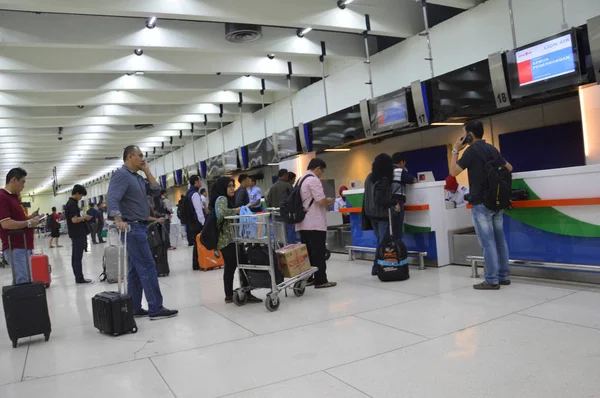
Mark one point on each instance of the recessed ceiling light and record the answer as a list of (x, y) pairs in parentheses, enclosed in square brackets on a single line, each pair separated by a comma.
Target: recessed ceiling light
[(151, 23), (271, 56), (80, 106), (129, 74), (139, 73), (138, 52), (302, 32), (338, 150), (247, 75)]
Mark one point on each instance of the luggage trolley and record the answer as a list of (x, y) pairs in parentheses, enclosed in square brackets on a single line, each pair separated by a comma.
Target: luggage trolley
[(264, 236)]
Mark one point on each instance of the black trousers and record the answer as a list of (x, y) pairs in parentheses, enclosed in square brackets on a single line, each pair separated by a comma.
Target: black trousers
[(79, 244), (99, 233), (315, 244), (167, 226), (230, 260)]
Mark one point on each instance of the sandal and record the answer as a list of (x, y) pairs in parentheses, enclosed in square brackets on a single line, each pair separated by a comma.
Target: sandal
[(326, 285), (51, 247)]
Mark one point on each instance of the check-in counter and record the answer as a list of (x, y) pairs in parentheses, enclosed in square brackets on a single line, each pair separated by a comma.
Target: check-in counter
[(560, 223), (427, 222)]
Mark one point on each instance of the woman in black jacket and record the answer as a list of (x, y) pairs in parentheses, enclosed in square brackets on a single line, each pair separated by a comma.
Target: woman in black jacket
[(378, 199)]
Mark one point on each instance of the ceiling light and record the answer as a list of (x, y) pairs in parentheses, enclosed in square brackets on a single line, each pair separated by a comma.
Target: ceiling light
[(138, 52), (130, 73), (343, 3), (139, 73), (302, 32), (247, 75), (447, 124), (151, 23), (271, 56), (273, 164), (338, 150)]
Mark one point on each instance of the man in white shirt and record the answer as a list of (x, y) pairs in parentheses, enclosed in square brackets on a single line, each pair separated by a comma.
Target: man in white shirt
[(455, 193), (204, 199), (196, 222)]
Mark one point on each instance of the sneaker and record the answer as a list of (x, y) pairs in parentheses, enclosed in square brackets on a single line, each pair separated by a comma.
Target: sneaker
[(140, 313), (228, 300), (486, 286), (165, 313), (251, 299), (172, 248), (505, 283), (84, 282)]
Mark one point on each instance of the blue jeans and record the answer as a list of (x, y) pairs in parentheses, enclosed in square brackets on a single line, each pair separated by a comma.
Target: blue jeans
[(79, 244), (292, 237), (382, 230), (142, 276), (21, 264), (490, 234)]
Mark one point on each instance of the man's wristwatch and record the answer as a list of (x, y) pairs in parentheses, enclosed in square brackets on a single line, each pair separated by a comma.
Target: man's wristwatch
[(454, 151), (28, 223)]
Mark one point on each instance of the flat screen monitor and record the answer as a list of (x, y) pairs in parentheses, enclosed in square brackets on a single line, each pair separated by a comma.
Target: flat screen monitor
[(288, 143), (389, 112), (462, 94), (214, 167), (545, 65), (261, 153), (337, 129), (230, 161)]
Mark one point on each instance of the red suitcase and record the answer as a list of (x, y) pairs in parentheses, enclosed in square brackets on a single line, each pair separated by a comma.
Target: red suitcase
[(40, 269)]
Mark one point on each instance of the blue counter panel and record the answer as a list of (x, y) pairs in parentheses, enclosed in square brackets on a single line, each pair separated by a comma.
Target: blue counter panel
[(529, 243)]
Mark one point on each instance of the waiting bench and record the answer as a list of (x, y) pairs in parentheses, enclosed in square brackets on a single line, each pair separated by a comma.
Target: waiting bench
[(352, 249), (474, 260)]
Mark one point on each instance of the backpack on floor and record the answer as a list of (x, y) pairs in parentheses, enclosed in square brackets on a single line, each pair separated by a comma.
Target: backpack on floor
[(392, 261), (291, 209)]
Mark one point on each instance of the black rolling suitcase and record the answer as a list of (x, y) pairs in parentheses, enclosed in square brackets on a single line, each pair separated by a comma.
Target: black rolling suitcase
[(392, 258), (113, 311), (25, 305), (157, 239)]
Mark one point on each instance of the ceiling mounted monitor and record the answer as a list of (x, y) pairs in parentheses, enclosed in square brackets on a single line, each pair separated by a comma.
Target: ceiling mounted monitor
[(261, 153), (214, 167), (288, 143), (545, 65), (337, 129), (389, 112)]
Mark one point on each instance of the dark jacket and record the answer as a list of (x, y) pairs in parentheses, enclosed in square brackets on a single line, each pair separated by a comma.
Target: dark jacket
[(277, 193), (377, 201), (241, 197)]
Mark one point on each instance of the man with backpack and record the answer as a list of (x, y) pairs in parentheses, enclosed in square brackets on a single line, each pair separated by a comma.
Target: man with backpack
[(164, 209), (490, 188), (306, 206), (189, 210)]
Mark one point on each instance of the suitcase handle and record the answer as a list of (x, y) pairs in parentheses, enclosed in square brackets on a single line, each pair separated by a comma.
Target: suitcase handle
[(12, 254), (122, 264)]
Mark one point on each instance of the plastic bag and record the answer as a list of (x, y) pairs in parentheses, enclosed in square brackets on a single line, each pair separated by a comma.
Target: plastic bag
[(249, 228)]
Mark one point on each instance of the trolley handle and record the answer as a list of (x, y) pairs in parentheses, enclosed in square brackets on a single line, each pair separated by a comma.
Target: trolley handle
[(122, 267)]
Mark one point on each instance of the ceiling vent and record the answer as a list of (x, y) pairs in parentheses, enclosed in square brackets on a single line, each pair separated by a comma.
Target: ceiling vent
[(143, 126), (242, 33)]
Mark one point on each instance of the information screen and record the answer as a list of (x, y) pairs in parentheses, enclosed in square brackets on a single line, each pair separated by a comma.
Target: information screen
[(392, 112), (546, 60)]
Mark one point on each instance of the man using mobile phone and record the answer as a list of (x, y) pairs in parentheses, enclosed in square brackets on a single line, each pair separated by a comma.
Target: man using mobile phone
[(12, 217), (77, 232), (488, 223), (127, 204)]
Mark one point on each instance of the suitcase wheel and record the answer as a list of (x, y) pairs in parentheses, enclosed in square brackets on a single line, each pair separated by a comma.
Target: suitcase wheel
[(15, 343), (47, 285), (327, 254), (134, 330), (47, 336)]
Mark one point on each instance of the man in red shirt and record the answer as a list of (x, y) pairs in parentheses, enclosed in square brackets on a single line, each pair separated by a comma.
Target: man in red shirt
[(54, 228), (12, 217)]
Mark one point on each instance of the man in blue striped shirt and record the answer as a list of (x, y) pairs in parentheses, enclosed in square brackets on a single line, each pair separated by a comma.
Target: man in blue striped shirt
[(127, 204)]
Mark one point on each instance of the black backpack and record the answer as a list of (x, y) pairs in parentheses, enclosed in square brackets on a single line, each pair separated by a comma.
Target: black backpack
[(185, 210), (291, 209), (497, 190), (392, 260), (211, 231)]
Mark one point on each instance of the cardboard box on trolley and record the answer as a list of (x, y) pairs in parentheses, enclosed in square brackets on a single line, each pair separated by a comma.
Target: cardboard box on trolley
[(293, 260)]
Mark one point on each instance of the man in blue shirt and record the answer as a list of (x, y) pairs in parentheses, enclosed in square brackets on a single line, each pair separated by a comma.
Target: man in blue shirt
[(401, 179), (128, 206), (92, 212), (255, 196)]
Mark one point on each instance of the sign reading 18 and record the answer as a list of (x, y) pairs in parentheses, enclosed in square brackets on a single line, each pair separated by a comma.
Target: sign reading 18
[(502, 98)]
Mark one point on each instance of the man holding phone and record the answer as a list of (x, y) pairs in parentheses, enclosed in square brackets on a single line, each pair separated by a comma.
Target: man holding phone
[(488, 223)]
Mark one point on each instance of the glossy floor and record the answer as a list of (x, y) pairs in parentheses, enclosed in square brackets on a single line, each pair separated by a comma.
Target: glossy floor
[(431, 336)]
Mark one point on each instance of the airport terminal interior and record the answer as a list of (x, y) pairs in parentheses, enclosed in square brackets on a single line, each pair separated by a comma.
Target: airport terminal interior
[(188, 92)]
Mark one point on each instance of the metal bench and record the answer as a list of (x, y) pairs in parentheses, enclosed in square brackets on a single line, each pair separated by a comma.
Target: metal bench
[(474, 260), (352, 249)]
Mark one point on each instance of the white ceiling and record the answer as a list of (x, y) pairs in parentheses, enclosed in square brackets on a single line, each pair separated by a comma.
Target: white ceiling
[(64, 64)]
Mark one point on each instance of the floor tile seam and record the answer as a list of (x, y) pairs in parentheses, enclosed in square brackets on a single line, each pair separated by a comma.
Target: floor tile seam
[(270, 384), (162, 377), (26, 356), (230, 320), (393, 327), (348, 384), (558, 321), (545, 302), (202, 347), (386, 289)]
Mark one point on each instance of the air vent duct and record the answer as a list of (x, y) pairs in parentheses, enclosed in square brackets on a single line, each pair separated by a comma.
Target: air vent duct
[(242, 33)]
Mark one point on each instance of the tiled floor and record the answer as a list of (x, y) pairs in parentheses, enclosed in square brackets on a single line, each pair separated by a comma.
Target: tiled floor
[(431, 336)]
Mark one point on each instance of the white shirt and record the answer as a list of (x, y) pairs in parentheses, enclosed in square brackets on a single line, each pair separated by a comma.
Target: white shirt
[(197, 202), (204, 200), (340, 203), (457, 197)]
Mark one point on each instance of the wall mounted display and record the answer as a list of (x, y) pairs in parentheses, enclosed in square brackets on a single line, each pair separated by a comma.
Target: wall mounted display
[(389, 112), (261, 153), (288, 143), (214, 167), (337, 129), (230, 161)]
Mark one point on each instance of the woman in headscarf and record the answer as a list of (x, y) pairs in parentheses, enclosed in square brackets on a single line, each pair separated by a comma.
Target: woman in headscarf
[(378, 199), (221, 201)]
